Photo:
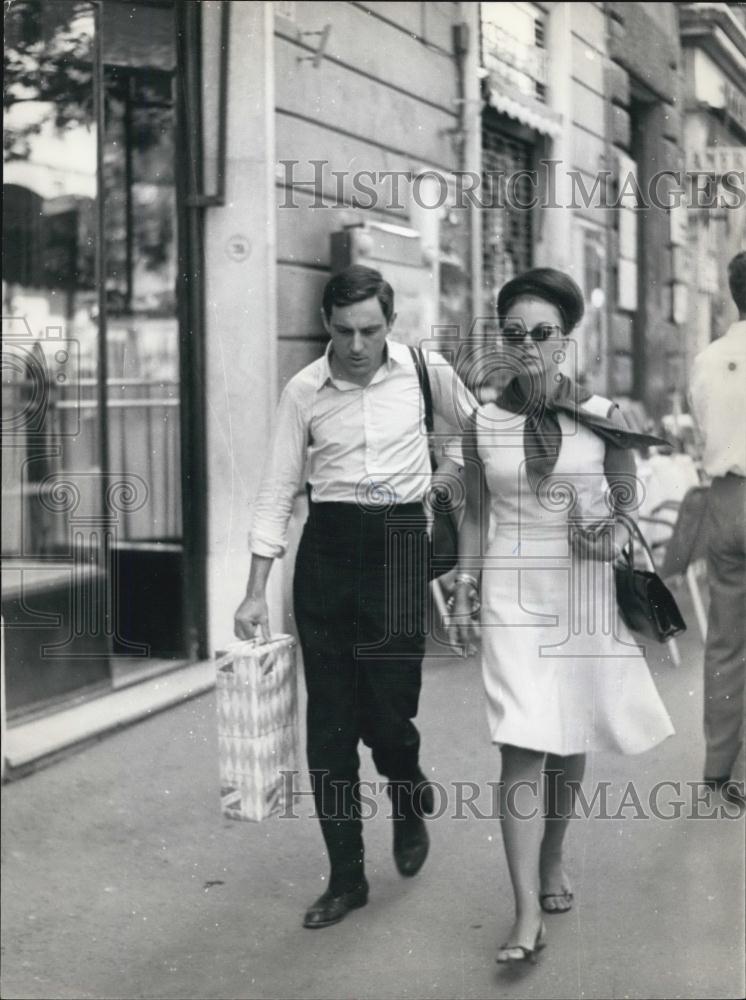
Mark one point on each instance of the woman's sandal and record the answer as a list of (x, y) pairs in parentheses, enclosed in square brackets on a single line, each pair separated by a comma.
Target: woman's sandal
[(566, 896), (507, 952)]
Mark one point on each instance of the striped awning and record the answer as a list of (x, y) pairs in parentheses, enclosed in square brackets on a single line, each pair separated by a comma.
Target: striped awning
[(529, 112)]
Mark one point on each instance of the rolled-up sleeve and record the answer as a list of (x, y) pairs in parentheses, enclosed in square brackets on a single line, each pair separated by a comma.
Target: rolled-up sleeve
[(281, 477), (452, 401)]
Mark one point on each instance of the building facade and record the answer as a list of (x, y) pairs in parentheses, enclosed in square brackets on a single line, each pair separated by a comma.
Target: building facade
[(713, 38), (174, 172), (181, 181)]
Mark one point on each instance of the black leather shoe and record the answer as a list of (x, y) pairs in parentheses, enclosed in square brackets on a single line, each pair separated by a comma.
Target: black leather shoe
[(411, 844), (332, 907)]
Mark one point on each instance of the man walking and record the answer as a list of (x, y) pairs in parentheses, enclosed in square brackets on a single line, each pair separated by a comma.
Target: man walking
[(718, 397), (352, 420)]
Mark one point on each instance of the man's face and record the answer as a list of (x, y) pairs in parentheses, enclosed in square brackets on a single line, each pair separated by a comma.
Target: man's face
[(358, 334)]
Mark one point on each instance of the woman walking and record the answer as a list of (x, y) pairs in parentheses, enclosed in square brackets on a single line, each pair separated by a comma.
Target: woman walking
[(562, 675)]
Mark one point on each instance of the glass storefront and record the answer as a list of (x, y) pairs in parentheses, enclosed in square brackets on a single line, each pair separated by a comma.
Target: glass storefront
[(93, 529)]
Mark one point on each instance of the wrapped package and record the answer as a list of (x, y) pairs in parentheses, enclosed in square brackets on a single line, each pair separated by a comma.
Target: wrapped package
[(257, 707)]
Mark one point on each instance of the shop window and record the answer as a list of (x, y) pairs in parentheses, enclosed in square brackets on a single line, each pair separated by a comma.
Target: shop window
[(92, 473)]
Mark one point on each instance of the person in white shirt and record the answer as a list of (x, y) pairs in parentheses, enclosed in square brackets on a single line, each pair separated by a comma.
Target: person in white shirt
[(352, 421), (718, 401)]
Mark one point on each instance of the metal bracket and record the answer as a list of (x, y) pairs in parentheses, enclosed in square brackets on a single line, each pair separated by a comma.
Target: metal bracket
[(321, 49)]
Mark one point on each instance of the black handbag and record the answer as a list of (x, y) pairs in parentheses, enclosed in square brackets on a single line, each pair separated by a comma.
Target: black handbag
[(645, 603), (444, 534)]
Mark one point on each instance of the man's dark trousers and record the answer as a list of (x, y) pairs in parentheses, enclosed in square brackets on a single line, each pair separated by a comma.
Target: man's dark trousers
[(359, 593), (725, 650)]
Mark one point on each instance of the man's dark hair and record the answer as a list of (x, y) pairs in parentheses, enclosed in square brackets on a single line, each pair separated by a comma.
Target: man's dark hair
[(737, 280), (355, 284)]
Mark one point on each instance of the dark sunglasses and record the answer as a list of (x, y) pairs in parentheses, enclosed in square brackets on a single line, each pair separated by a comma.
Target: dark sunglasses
[(516, 333)]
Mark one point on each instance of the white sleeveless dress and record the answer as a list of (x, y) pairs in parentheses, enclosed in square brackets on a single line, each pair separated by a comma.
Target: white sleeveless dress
[(562, 673)]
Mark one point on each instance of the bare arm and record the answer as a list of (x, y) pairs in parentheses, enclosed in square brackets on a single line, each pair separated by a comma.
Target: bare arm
[(605, 542), (620, 468), (471, 538), (252, 612), (452, 401), (272, 510)]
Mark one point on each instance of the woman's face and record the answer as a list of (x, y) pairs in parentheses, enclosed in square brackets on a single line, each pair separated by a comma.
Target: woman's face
[(541, 359)]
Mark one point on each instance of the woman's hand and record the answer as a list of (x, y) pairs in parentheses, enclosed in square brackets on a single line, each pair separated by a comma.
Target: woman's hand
[(463, 624), (599, 542)]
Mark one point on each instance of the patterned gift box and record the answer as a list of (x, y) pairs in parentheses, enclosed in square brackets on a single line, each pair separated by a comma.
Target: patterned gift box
[(257, 726)]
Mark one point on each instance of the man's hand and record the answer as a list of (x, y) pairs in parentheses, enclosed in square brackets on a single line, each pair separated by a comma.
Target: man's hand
[(252, 616)]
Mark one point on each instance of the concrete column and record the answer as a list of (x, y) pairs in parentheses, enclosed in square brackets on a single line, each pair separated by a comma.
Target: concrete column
[(240, 295), (658, 341)]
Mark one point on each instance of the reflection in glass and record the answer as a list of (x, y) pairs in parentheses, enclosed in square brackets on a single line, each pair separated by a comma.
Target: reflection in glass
[(93, 577), (141, 263), (49, 294), (56, 593)]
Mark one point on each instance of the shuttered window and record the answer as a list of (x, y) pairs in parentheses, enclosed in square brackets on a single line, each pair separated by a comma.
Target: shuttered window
[(507, 229)]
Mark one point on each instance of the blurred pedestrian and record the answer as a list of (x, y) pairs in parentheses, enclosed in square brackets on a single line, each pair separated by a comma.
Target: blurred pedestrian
[(559, 681), (718, 398), (352, 420)]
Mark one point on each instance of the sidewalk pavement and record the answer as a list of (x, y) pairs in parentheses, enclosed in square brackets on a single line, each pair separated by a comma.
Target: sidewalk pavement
[(122, 880)]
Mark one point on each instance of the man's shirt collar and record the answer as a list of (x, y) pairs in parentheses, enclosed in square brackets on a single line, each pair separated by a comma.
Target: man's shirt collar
[(394, 354)]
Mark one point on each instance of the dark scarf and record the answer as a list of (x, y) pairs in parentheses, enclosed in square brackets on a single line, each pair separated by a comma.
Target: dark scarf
[(542, 434)]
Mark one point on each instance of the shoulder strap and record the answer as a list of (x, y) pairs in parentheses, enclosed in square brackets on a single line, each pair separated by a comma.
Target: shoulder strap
[(635, 531), (424, 380)]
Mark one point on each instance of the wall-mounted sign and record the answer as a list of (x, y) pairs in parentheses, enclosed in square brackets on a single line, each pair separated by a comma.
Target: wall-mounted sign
[(735, 103), (717, 160), (679, 303), (238, 248), (510, 32), (678, 224), (713, 88), (627, 222)]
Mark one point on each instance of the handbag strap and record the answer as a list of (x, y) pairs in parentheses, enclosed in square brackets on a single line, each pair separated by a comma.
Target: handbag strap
[(423, 377), (612, 469), (636, 532)]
